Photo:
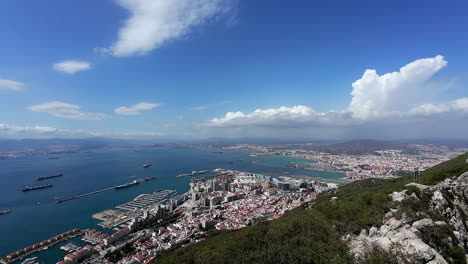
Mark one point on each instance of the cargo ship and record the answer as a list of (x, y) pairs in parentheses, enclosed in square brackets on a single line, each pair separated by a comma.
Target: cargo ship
[(193, 173), (149, 178), (49, 177), (5, 212), (127, 185), (27, 188), (147, 165)]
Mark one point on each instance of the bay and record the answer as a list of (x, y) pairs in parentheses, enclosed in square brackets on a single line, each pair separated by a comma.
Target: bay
[(35, 216)]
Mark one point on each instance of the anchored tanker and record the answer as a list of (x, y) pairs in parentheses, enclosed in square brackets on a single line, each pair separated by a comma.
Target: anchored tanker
[(147, 165), (127, 185), (25, 189), (49, 177)]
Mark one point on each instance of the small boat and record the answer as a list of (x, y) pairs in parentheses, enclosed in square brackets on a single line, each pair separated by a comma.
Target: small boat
[(5, 212), (147, 165), (30, 261)]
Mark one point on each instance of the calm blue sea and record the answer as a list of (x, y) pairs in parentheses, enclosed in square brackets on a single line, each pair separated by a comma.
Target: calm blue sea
[(36, 217)]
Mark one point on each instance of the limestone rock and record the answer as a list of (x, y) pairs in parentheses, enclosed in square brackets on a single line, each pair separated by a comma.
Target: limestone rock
[(398, 196), (422, 223)]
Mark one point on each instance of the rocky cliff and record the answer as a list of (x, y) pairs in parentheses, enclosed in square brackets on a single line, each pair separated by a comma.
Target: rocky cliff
[(426, 224)]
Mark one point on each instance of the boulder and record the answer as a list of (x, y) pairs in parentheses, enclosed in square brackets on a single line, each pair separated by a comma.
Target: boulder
[(422, 223), (394, 223), (384, 229), (398, 196), (373, 231)]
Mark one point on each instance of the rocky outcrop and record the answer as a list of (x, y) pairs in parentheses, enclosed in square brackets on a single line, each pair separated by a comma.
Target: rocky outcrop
[(450, 200), (405, 236)]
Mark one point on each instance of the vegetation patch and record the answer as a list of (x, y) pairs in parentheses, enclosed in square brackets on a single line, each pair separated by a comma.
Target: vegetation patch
[(442, 239)]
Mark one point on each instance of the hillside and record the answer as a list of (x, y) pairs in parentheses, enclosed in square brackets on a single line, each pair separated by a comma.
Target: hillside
[(336, 232)]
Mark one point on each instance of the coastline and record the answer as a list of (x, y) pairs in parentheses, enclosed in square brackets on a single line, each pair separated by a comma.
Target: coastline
[(101, 169), (304, 177), (292, 167)]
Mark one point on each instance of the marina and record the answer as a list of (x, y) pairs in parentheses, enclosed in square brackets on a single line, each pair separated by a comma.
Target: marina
[(113, 218), (145, 200), (70, 247)]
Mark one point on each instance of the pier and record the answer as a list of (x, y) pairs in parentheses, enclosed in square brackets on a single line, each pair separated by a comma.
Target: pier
[(103, 190), (24, 252)]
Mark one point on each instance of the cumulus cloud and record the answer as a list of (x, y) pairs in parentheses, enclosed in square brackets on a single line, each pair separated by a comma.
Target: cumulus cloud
[(6, 84), (198, 108), (135, 109), (65, 110), (72, 66), (379, 102), (154, 22), (375, 94), (11, 131)]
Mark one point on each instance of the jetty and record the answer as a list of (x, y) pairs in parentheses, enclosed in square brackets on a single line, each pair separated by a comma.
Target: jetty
[(24, 252), (105, 190)]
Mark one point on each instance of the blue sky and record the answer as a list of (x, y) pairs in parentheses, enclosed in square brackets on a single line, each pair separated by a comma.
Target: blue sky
[(192, 62)]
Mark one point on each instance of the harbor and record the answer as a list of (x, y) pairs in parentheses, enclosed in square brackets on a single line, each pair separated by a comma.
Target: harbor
[(111, 168)]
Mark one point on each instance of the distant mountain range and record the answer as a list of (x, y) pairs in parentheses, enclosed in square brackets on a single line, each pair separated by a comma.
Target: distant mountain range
[(86, 143), (331, 146)]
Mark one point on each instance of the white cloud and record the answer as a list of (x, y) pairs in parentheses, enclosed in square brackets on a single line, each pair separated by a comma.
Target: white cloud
[(11, 131), (65, 110), (135, 109), (396, 102), (283, 116), (375, 94), (72, 66), (198, 108), (154, 22), (10, 85), (459, 106)]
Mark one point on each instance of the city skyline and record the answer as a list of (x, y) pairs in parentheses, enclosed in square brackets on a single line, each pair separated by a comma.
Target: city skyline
[(223, 68)]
